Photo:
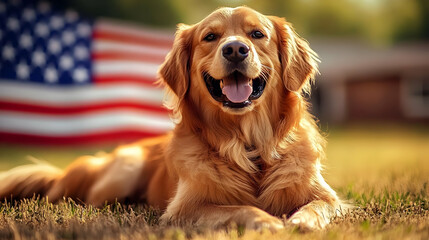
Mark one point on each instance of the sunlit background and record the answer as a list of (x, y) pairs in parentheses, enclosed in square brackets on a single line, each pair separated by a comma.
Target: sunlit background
[(372, 94), (379, 22)]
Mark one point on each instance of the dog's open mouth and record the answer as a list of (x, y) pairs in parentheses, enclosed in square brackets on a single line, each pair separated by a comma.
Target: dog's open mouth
[(235, 90)]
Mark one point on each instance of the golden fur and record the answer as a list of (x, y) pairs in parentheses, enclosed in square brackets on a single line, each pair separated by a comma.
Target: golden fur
[(220, 165)]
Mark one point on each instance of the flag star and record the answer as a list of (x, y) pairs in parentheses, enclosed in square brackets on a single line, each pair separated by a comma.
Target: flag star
[(8, 52), (13, 24), (42, 29), (44, 7), (26, 41), (51, 75), (71, 16), (54, 46), (22, 71), (39, 58), (83, 29), (66, 62), (56, 22), (68, 38), (81, 52), (29, 14), (80, 75)]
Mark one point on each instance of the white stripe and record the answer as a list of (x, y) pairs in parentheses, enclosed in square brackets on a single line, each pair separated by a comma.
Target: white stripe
[(46, 125), (108, 67), (104, 46), (132, 29), (73, 95)]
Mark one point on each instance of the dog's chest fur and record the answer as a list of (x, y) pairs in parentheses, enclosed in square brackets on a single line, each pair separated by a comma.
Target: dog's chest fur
[(233, 185), (274, 183)]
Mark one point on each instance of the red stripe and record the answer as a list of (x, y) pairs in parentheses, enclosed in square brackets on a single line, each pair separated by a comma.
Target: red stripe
[(130, 38), (110, 55), (68, 110), (128, 79), (117, 136)]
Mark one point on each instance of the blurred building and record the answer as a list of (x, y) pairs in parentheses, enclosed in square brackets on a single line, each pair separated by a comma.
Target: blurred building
[(363, 83)]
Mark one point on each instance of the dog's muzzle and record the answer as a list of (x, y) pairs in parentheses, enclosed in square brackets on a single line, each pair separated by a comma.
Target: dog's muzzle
[(235, 90)]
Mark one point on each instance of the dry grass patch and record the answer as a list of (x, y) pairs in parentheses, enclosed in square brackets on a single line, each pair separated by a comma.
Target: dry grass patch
[(384, 172)]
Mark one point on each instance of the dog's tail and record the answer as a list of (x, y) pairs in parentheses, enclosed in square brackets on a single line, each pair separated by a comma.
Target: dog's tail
[(28, 180)]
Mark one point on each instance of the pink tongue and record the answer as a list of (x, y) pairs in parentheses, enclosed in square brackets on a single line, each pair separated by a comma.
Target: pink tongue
[(237, 90)]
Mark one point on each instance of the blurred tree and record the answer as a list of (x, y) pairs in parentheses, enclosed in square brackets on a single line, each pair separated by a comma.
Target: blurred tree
[(407, 31), (159, 13)]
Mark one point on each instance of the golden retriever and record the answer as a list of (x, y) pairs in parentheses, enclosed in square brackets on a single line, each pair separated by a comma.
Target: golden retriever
[(245, 150)]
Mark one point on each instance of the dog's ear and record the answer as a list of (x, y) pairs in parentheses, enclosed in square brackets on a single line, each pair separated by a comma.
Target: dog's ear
[(175, 69), (299, 61)]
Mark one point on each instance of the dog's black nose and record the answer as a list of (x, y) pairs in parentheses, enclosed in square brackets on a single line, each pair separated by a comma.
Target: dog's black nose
[(235, 51)]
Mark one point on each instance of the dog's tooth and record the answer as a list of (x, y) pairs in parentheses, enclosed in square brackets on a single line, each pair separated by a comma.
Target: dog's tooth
[(221, 84)]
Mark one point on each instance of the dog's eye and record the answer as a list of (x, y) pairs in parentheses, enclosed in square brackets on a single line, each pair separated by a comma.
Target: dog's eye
[(257, 34), (210, 37)]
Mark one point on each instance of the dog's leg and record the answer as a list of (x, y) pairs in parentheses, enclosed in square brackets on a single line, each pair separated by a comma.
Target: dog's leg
[(217, 216), (189, 208), (119, 179), (318, 213), (103, 178)]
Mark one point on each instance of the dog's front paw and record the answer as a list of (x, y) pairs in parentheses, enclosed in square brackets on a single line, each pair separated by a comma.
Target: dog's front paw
[(167, 219), (260, 223), (307, 220), (256, 219)]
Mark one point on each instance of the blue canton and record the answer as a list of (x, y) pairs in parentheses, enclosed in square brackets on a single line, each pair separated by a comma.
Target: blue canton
[(41, 45)]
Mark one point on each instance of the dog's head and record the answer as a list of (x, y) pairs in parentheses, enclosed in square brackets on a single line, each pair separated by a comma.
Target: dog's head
[(235, 58)]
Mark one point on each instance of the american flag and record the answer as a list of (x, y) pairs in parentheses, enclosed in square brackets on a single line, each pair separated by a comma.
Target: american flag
[(67, 79)]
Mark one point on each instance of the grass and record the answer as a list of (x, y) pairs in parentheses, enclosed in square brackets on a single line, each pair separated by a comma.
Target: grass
[(384, 171)]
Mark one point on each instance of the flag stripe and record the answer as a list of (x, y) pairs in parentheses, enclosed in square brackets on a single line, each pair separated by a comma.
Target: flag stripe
[(126, 79), (125, 67), (44, 125), (130, 38), (122, 135), (105, 46), (88, 94), (112, 55), (70, 110), (128, 29)]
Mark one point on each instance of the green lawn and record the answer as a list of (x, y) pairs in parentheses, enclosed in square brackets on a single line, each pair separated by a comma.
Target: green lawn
[(383, 170)]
